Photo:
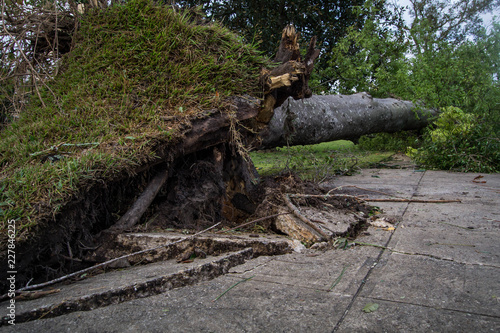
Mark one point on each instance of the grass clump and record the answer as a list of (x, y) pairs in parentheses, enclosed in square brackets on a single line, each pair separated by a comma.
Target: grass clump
[(138, 73)]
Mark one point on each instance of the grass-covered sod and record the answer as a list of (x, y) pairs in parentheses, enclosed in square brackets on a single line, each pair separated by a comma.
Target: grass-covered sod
[(138, 73)]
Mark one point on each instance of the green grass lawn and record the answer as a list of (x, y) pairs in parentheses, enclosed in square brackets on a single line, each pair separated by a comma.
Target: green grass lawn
[(317, 162)]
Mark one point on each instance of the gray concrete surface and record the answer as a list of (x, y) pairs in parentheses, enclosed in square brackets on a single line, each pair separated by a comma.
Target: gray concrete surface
[(438, 271)]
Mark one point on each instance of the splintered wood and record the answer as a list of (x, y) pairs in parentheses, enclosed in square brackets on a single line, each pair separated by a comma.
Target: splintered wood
[(291, 77)]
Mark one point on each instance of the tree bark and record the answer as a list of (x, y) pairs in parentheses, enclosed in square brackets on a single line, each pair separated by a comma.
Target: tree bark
[(335, 117)]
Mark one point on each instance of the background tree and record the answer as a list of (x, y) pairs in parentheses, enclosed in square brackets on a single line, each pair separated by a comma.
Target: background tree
[(444, 59), (436, 21), (261, 21), (364, 57)]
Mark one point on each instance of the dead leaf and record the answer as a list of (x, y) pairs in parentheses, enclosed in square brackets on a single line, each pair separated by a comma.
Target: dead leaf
[(370, 307), (381, 223), (476, 180)]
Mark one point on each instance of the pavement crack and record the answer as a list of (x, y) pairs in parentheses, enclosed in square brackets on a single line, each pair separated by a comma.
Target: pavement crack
[(253, 268), (379, 257), (433, 307), (423, 255), (262, 279)]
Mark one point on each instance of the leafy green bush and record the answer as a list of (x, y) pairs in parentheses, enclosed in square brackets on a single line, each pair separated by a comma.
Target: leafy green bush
[(460, 141)]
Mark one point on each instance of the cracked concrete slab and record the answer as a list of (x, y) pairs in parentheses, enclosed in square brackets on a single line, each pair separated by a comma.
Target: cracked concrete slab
[(473, 216), (249, 307), (315, 270), (446, 282), (394, 316), (122, 285), (383, 177), (435, 283), (482, 248), (185, 245)]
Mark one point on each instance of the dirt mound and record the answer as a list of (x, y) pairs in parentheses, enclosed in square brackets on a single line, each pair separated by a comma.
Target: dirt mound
[(136, 82)]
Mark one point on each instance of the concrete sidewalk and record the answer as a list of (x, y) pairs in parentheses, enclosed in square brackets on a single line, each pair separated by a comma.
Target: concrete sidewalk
[(438, 271)]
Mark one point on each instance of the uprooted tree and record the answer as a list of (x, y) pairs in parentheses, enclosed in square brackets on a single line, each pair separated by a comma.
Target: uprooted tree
[(149, 119)]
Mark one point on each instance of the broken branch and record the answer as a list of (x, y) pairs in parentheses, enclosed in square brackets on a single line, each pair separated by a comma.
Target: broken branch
[(360, 188), (290, 78), (304, 219), (411, 200), (254, 221)]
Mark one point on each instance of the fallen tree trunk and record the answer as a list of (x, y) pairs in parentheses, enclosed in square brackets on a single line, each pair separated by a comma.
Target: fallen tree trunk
[(335, 117)]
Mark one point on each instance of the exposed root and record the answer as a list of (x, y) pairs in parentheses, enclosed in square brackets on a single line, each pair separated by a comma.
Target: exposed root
[(134, 214), (304, 219), (106, 263)]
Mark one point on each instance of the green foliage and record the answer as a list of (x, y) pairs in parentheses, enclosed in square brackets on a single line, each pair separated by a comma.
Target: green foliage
[(436, 67), (463, 82), (444, 21), (366, 57), (460, 142), (263, 20), (389, 141), (138, 73), (451, 123)]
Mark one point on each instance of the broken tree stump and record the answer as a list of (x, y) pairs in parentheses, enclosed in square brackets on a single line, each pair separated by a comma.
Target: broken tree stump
[(290, 79)]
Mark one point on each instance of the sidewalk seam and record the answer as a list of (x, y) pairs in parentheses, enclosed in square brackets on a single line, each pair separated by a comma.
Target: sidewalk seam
[(435, 307), (379, 257)]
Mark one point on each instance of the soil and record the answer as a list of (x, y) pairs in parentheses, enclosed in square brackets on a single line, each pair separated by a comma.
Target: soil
[(204, 189)]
